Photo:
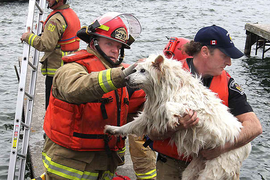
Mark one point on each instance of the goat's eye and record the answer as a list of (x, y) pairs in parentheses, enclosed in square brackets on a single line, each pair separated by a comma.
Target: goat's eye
[(142, 70)]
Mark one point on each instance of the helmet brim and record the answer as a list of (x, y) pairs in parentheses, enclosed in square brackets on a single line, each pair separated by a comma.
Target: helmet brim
[(87, 37)]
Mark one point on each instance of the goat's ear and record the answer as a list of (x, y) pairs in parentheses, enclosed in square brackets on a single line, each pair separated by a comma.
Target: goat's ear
[(158, 61)]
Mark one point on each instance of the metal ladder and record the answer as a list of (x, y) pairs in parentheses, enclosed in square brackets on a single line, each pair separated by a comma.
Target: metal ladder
[(19, 146)]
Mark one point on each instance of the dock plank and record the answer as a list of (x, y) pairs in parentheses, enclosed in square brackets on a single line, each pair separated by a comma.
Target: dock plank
[(258, 34), (262, 30)]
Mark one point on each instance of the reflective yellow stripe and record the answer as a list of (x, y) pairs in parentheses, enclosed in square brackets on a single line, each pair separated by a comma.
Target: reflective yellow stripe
[(107, 175), (31, 39), (64, 28), (103, 27), (64, 53), (100, 82), (121, 153), (109, 80), (148, 175), (123, 150), (66, 172), (105, 81), (48, 71)]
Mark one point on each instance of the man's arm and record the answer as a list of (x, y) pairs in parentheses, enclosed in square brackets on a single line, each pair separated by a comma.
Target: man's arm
[(189, 120), (72, 83), (50, 36), (251, 129)]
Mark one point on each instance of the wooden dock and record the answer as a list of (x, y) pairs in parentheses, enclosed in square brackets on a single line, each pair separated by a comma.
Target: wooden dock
[(258, 34)]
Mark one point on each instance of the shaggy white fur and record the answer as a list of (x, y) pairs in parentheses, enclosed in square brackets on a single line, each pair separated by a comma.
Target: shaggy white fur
[(172, 91)]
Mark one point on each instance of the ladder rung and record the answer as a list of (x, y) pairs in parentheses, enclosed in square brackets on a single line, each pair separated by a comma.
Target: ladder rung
[(25, 125), (41, 11), (21, 155), (28, 95), (34, 67)]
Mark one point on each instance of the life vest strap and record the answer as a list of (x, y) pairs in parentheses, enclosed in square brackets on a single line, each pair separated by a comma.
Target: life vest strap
[(161, 158), (104, 101), (107, 148), (126, 101), (105, 137), (89, 136), (147, 142)]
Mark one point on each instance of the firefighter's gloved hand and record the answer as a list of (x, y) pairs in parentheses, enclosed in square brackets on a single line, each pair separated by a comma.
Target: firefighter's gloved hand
[(129, 70)]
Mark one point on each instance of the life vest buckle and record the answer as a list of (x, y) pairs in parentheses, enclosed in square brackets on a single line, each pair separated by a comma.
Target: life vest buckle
[(106, 100), (126, 101)]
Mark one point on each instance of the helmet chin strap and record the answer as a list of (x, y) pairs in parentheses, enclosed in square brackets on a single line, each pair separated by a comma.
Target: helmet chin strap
[(114, 64), (55, 2)]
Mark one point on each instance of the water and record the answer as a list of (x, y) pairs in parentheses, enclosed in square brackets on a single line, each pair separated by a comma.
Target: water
[(159, 18)]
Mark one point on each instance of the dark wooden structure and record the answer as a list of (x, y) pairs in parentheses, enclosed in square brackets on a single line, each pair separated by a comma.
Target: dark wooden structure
[(259, 34)]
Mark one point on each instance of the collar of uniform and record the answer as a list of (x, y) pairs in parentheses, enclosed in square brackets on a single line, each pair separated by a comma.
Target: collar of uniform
[(206, 80), (65, 6)]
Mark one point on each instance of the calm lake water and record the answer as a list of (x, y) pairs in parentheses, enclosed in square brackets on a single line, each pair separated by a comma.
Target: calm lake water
[(159, 18)]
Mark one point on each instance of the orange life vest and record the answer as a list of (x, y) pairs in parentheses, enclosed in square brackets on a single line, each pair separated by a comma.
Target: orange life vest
[(218, 85), (80, 127), (69, 40), (136, 100)]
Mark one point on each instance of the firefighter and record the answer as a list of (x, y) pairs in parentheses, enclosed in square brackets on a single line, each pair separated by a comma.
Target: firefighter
[(175, 48), (143, 158), (89, 92), (57, 40)]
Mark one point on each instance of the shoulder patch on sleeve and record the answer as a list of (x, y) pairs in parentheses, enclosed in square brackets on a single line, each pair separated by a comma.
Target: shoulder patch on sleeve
[(236, 87), (51, 25)]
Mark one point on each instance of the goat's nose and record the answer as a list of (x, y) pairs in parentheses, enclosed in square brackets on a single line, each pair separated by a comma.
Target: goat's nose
[(127, 79)]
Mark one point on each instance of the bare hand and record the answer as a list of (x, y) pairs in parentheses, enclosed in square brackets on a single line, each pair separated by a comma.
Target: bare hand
[(189, 120), (209, 154), (185, 122), (25, 34)]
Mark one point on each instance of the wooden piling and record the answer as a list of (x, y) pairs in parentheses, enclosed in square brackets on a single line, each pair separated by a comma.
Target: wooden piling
[(259, 34)]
